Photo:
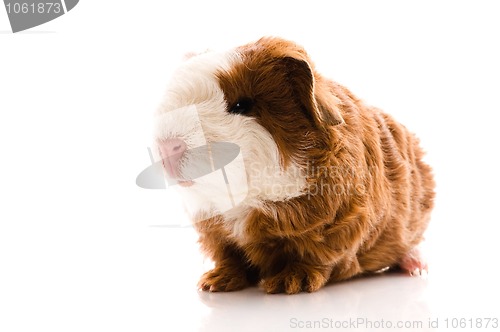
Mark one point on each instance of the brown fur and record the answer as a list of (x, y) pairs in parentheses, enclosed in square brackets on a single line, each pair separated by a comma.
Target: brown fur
[(369, 194)]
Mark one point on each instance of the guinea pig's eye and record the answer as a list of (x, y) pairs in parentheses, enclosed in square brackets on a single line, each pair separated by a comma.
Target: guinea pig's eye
[(243, 106)]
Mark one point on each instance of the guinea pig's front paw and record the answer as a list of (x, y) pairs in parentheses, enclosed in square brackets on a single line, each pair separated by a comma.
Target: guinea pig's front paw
[(294, 279), (223, 279)]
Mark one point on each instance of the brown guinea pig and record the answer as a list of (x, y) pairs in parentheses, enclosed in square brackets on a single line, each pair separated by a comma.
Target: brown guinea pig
[(291, 181)]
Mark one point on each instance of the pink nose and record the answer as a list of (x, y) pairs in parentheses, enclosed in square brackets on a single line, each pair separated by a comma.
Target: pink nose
[(171, 151)]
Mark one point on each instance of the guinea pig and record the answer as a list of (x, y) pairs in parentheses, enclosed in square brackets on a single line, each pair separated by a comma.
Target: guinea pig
[(324, 187)]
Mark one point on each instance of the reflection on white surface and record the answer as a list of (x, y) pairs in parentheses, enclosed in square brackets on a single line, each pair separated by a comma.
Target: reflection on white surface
[(361, 304), (357, 303)]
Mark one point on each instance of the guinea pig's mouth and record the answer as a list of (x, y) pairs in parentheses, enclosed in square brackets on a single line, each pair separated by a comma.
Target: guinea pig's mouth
[(171, 165), (183, 165), (185, 183), (173, 173), (175, 179)]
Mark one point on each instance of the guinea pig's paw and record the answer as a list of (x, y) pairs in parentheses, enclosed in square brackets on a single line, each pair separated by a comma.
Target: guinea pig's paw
[(414, 263), (223, 279), (294, 279)]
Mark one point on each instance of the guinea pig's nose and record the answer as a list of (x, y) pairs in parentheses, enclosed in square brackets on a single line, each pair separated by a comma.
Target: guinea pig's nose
[(171, 151)]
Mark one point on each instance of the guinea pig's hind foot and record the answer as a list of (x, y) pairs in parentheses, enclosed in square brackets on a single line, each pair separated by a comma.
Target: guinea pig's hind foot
[(414, 263)]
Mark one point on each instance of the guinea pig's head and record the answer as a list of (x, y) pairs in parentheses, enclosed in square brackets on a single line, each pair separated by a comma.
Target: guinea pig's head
[(262, 100)]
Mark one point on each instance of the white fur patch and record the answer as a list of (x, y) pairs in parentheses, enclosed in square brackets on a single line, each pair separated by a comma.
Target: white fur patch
[(195, 110)]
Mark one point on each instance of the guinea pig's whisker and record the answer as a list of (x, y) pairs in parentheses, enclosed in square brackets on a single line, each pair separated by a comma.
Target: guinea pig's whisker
[(196, 163)]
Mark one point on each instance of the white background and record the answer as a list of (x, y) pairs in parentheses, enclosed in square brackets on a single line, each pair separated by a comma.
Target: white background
[(82, 248)]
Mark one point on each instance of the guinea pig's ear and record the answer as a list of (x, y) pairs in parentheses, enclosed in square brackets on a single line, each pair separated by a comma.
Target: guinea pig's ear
[(313, 100)]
